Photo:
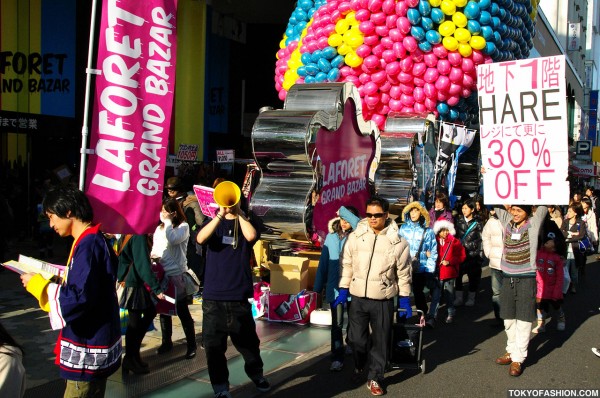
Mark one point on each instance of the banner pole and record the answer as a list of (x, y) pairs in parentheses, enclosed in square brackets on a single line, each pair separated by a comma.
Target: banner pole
[(88, 82), (437, 159)]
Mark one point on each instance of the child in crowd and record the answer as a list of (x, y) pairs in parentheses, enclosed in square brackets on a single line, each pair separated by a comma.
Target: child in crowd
[(328, 276), (451, 254), (549, 277)]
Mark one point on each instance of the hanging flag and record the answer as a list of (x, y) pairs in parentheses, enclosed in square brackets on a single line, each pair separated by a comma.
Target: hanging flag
[(464, 139), (132, 113)]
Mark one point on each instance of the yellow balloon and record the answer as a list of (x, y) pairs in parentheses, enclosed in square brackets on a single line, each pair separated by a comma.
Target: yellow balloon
[(287, 84), (282, 43), (294, 64), (462, 35), (344, 49), (448, 7), (477, 42), (342, 26), (435, 3), (465, 50), (353, 38), (459, 19), (460, 3), (335, 40), (450, 43), (352, 60), (351, 18), (447, 28)]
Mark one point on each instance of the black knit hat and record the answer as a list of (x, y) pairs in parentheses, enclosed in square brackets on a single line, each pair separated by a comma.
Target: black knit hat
[(526, 208)]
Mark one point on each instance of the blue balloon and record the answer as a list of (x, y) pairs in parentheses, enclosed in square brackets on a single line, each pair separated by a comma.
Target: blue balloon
[(414, 16), (316, 56), (301, 71), (487, 32), (324, 65), (503, 29), (497, 37), (333, 75), (494, 9), (305, 58), (437, 15), (472, 10), (301, 15), (418, 33), (425, 46), (443, 108), (289, 31), (485, 18), (424, 7), (496, 22), (311, 12), (484, 4), (338, 61), (329, 52), (433, 36), (489, 48), (305, 4), (321, 77), (309, 79), (453, 114), (426, 23), (474, 27), (311, 69)]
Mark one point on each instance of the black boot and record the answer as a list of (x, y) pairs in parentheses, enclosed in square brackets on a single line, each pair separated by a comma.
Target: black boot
[(190, 337), (131, 365), (166, 327)]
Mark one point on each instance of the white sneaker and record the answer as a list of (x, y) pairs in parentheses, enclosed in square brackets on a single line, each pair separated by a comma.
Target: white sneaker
[(336, 366), (596, 351)]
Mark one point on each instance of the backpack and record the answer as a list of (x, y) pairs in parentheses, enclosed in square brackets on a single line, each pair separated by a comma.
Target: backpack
[(192, 202)]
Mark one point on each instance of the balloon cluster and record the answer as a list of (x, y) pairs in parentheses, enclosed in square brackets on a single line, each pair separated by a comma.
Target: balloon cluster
[(403, 55)]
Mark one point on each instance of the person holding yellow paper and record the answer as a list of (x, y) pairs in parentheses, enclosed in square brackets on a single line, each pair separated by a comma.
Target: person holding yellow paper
[(84, 304)]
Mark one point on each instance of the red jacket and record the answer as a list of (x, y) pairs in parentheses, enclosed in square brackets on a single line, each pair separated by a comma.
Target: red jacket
[(453, 252), (549, 275)]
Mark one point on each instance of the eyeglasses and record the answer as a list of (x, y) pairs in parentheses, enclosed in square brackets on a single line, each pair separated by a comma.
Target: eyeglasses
[(376, 215)]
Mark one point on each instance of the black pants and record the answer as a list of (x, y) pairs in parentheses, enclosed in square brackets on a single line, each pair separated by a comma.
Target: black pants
[(139, 322), (233, 319), (472, 268), (374, 346), (183, 312), (420, 281)]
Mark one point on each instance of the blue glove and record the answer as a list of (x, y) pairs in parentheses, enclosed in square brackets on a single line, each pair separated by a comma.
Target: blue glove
[(404, 307), (342, 297)]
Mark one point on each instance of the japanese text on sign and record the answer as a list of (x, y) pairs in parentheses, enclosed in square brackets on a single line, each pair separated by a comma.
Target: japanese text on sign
[(225, 156), (522, 113), (187, 152)]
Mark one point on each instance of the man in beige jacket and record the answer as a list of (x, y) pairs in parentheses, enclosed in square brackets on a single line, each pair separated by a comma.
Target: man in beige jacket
[(375, 270)]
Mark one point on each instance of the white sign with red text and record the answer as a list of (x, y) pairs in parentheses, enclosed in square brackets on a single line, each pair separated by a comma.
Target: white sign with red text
[(523, 119)]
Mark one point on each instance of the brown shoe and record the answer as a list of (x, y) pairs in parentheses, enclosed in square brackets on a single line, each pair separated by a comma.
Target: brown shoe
[(374, 387), (504, 359), (515, 369)]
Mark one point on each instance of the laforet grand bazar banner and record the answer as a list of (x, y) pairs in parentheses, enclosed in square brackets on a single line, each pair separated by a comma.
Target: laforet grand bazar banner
[(133, 103)]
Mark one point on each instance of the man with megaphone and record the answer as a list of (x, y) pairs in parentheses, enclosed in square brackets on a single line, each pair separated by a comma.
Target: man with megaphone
[(229, 237)]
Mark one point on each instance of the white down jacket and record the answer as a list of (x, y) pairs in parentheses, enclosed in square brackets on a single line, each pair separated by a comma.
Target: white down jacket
[(493, 241), (376, 266)]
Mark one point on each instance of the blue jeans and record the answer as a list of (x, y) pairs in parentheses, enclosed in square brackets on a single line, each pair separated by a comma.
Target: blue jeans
[(448, 293), (496, 288), (337, 334), (420, 281)]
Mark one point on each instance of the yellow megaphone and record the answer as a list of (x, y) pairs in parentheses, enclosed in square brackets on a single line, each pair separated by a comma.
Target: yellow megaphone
[(227, 194)]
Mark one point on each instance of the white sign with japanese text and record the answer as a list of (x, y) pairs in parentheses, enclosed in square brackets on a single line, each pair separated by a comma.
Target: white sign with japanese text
[(225, 155), (523, 125)]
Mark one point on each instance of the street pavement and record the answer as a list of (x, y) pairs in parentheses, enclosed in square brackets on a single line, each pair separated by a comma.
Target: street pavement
[(459, 358)]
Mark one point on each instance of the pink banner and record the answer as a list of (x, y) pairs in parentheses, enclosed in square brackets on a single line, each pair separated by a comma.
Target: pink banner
[(133, 103)]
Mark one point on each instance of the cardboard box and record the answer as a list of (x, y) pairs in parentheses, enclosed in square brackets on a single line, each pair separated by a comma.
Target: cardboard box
[(290, 276), (313, 264)]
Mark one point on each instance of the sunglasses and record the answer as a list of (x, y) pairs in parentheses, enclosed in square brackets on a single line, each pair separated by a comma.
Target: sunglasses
[(376, 215)]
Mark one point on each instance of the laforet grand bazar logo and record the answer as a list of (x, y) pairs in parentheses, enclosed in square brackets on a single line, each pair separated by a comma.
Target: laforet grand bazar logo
[(33, 72)]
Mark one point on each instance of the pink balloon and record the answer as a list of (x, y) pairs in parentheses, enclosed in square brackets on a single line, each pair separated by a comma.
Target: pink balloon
[(378, 77), (371, 61), (364, 78), (430, 60), (385, 98), (282, 95), (408, 109), (455, 89), (395, 92), (378, 18), (418, 81), (407, 100), (442, 83), (395, 35), (412, 3), (441, 96), (378, 49), (293, 46), (444, 66), (388, 56), (379, 120), (312, 46), (419, 68), (407, 88), (419, 94), (430, 104), (478, 57), (371, 40), (410, 43), (430, 91), (367, 27), (335, 16), (406, 64), (385, 87), (322, 41), (382, 30), (431, 75), (387, 42), (355, 4), (399, 50), (370, 88), (453, 100), (363, 51), (404, 25), (455, 58), (456, 75), (417, 55), (467, 65), (468, 82), (374, 5), (344, 7), (372, 100), (353, 79), (395, 105), (390, 21), (362, 14), (346, 71), (419, 107), (465, 93), (389, 6), (332, 5)]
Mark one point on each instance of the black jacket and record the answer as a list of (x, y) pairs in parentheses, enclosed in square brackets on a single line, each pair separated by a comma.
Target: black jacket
[(472, 241)]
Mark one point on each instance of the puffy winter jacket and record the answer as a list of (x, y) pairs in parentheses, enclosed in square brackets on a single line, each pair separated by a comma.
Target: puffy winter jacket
[(549, 275), (493, 241), (453, 252), (376, 266), (472, 240)]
